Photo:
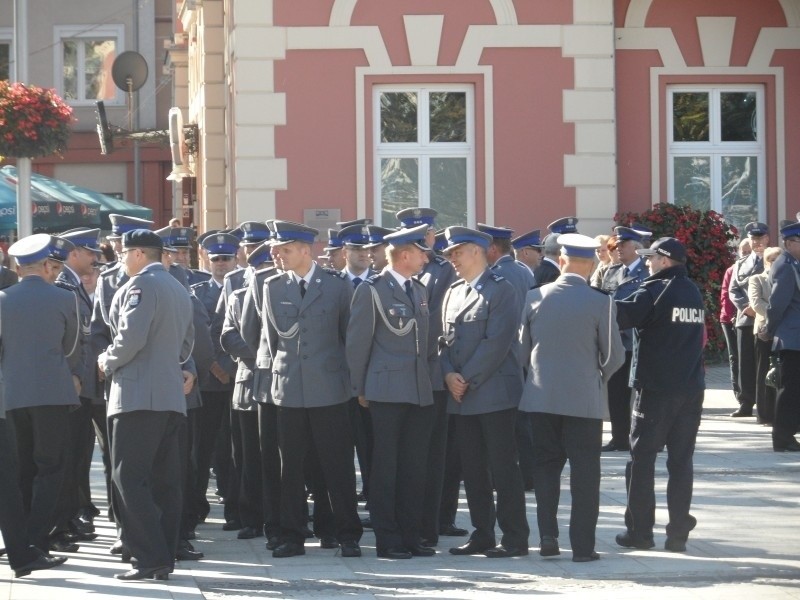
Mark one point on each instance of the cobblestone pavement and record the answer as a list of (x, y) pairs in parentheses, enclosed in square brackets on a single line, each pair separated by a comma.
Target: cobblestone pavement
[(746, 544)]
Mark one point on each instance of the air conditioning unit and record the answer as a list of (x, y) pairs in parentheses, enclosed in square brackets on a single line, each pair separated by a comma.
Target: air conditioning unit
[(177, 146)]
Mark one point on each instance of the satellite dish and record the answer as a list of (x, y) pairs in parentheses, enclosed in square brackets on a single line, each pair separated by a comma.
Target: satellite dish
[(129, 71)]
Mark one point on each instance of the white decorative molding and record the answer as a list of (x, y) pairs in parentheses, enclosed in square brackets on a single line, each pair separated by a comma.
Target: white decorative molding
[(791, 10), (771, 39), (716, 40), (652, 38), (480, 37), (423, 36), (367, 38), (342, 12), (637, 13)]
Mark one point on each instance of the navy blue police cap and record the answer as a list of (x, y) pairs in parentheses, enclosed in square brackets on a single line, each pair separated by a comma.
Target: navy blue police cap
[(142, 238), (419, 215), (221, 244), (84, 237), (334, 242), (756, 229), (531, 239), (564, 225), (791, 229), (411, 235), (502, 233), (121, 224), (458, 236), (362, 222), (261, 255), (254, 232), (627, 233), (377, 235), (354, 235), (288, 231)]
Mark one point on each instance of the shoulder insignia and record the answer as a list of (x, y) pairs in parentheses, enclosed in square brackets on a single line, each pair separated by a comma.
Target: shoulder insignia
[(334, 272), (273, 277), (497, 277), (66, 285), (373, 279), (134, 297), (197, 286), (111, 271), (440, 260)]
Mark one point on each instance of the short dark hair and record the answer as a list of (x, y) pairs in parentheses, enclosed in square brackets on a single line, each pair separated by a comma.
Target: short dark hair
[(152, 254), (503, 245)]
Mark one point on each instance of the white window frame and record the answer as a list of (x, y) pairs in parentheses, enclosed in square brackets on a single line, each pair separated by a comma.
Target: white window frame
[(7, 37), (715, 148), (424, 151), (85, 32)]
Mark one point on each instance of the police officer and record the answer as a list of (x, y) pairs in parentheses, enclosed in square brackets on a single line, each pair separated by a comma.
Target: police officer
[(389, 356), (482, 372), (40, 331), (171, 238), (667, 375), (306, 311), (334, 251), (758, 234), (620, 280), (377, 247), (151, 321), (548, 270), (528, 249), (783, 325), (569, 346)]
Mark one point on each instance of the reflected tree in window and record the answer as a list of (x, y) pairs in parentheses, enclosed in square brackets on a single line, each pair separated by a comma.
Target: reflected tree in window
[(690, 117), (693, 181), (70, 70), (399, 117), (99, 56), (738, 116), (449, 190), (399, 186), (448, 117), (740, 189)]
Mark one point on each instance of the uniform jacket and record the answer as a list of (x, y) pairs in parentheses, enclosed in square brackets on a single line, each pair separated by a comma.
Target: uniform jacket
[(783, 314), (108, 283), (197, 276), (254, 334), (479, 343), (620, 286), (306, 336), (386, 366), (202, 350), (38, 344), (516, 274), (152, 325), (437, 276), (180, 273), (86, 368), (546, 272), (234, 345), (7, 278), (759, 288), (668, 314), (208, 292), (570, 346), (742, 270)]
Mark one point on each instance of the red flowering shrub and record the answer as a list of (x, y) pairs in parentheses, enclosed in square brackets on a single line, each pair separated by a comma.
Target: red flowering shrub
[(34, 121), (708, 240)]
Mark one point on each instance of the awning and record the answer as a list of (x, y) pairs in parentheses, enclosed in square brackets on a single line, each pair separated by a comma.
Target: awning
[(68, 192)]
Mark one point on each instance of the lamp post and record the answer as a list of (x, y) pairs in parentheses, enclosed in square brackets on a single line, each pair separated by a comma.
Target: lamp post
[(24, 209)]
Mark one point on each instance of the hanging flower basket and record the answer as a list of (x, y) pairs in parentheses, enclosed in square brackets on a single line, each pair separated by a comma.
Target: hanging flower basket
[(34, 122)]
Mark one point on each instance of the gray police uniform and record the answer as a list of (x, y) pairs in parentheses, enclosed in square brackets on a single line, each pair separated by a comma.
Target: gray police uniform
[(310, 386), (570, 346), (389, 359), (621, 281), (39, 335), (151, 321), (478, 343), (742, 270)]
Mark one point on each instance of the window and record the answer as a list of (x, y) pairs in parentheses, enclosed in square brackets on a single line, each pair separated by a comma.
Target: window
[(425, 150), (84, 56), (6, 52), (716, 150)]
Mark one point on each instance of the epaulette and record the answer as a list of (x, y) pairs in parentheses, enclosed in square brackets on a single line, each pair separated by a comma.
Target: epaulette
[(439, 260), (335, 273), (373, 279), (272, 277), (198, 285), (111, 271), (497, 277), (66, 285)]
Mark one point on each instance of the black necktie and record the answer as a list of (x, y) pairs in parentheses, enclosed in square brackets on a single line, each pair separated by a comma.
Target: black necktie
[(356, 281), (302, 288), (409, 292), (625, 272)]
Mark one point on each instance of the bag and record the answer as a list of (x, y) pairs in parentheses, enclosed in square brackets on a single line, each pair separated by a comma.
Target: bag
[(773, 378)]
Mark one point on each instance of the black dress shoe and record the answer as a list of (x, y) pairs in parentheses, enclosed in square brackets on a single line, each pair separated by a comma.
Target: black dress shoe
[(505, 552), (307, 533), (288, 549), (613, 446), (59, 545), (428, 543), (159, 573), (351, 549), (587, 558), (628, 540), (396, 553), (80, 527), (231, 526), (548, 546), (248, 533), (38, 564), (328, 542), (420, 550), (742, 412), (676, 543), (188, 554), (116, 547), (451, 530), (366, 523), (471, 547), (791, 446), (273, 542)]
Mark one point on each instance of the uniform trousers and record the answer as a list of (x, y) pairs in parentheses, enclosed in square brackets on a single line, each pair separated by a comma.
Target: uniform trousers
[(251, 511), (100, 425), (42, 443), (619, 403), (228, 463), (215, 409), (557, 438), (524, 435), (270, 468), (189, 518), (765, 395), (12, 514), (451, 484), (489, 460), (729, 330), (147, 471), (659, 418), (327, 428), (745, 344), (435, 461), (402, 433), (787, 405), (361, 426)]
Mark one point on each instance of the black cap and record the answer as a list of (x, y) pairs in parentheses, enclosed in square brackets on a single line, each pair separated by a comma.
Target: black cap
[(142, 238)]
